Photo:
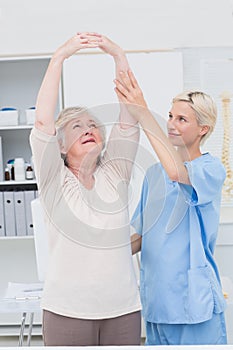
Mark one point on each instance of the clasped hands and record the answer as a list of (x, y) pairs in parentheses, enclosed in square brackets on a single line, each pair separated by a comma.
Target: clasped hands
[(126, 86)]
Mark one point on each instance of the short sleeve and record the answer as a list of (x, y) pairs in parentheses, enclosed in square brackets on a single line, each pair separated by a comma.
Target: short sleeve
[(207, 176)]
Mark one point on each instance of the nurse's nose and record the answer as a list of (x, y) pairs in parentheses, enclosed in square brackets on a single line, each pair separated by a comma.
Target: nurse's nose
[(171, 123)]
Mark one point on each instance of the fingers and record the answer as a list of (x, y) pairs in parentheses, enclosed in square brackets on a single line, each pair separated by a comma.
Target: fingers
[(120, 96), (89, 34), (89, 39), (125, 79), (129, 79), (120, 88), (128, 91), (133, 79)]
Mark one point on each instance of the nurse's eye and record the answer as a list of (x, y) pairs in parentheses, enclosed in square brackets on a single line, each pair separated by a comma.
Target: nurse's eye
[(182, 119)]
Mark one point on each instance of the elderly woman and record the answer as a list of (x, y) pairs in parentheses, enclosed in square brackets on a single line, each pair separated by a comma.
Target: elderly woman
[(90, 294)]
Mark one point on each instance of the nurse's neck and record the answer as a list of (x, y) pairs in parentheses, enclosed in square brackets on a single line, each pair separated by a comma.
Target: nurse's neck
[(188, 154)]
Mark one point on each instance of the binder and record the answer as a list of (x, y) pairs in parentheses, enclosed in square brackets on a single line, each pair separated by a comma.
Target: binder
[(29, 196), (1, 161), (2, 220), (20, 217), (9, 213)]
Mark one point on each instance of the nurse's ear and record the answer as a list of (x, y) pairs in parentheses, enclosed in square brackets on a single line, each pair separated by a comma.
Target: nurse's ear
[(204, 129)]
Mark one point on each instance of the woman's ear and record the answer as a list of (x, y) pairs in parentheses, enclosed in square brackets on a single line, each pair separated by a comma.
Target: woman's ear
[(204, 129), (62, 147)]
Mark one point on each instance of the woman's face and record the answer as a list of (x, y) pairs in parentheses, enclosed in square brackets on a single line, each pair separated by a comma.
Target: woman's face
[(82, 137), (183, 128)]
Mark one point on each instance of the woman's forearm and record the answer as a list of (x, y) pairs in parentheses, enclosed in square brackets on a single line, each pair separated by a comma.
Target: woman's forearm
[(48, 95), (121, 65), (165, 151)]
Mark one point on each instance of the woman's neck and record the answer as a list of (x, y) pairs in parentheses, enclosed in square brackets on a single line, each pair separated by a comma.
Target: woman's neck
[(84, 171)]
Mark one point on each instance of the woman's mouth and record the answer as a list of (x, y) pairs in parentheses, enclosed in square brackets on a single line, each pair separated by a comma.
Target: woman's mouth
[(90, 139)]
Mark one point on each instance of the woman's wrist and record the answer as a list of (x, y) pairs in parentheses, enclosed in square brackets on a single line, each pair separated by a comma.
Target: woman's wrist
[(119, 54), (58, 57)]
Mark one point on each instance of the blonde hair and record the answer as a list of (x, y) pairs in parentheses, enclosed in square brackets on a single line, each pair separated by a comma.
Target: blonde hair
[(204, 107), (67, 114)]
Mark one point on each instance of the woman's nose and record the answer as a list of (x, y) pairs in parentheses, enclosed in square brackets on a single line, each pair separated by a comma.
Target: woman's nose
[(87, 131)]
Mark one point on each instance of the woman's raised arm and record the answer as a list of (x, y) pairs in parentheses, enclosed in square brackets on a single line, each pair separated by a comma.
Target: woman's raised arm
[(48, 93), (121, 65)]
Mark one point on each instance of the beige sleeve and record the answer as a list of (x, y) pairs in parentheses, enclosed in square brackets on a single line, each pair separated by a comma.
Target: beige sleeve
[(48, 164), (121, 151)]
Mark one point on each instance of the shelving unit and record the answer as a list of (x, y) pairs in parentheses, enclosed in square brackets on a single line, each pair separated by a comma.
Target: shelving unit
[(20, 80)]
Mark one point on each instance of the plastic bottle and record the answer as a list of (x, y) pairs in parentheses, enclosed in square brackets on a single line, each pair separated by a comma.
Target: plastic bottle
[(19, 169)]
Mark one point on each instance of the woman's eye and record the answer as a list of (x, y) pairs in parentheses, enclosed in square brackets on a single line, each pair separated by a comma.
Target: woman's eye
[(92, 126), (76, 126)]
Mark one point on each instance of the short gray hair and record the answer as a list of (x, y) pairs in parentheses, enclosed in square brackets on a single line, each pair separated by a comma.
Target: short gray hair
[(69, 113)]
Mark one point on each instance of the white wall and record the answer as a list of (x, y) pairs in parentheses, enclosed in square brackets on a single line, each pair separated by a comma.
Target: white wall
[(29, 26)]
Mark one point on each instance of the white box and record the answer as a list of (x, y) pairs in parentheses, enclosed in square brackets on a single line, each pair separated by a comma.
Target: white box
[(30, 116), (9, 117)]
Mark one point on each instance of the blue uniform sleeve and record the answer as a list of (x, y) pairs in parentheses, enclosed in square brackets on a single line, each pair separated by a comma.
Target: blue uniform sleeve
[(207, 176), (137, 218)]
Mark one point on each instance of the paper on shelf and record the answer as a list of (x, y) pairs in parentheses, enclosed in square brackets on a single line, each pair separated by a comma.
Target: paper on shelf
[(22, 297), (24, 290)]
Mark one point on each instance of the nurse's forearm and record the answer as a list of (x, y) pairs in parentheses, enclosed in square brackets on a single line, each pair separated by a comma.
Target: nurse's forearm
[(136, 241)]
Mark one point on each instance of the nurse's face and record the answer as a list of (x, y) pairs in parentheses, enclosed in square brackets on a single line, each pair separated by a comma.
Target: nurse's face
[(183, 128)]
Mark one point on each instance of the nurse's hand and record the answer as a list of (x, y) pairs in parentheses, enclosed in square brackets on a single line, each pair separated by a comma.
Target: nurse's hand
[(129, 93)]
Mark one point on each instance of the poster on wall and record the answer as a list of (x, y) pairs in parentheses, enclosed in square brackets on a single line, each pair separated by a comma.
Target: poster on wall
[(217, 80)]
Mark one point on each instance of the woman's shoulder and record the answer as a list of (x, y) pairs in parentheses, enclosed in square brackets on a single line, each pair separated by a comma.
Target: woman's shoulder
[(38, 134)]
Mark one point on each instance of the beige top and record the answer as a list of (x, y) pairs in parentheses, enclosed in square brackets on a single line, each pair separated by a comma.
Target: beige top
[(90, 273)]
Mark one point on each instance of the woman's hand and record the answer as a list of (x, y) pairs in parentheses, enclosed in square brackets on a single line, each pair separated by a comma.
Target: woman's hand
[(130, 94), (110, 47), (77, 42)]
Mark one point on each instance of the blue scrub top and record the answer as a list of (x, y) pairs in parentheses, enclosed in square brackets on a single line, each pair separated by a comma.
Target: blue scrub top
[(179, 223)]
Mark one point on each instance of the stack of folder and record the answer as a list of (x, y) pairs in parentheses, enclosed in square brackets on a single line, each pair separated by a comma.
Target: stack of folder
[(15, 213)]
